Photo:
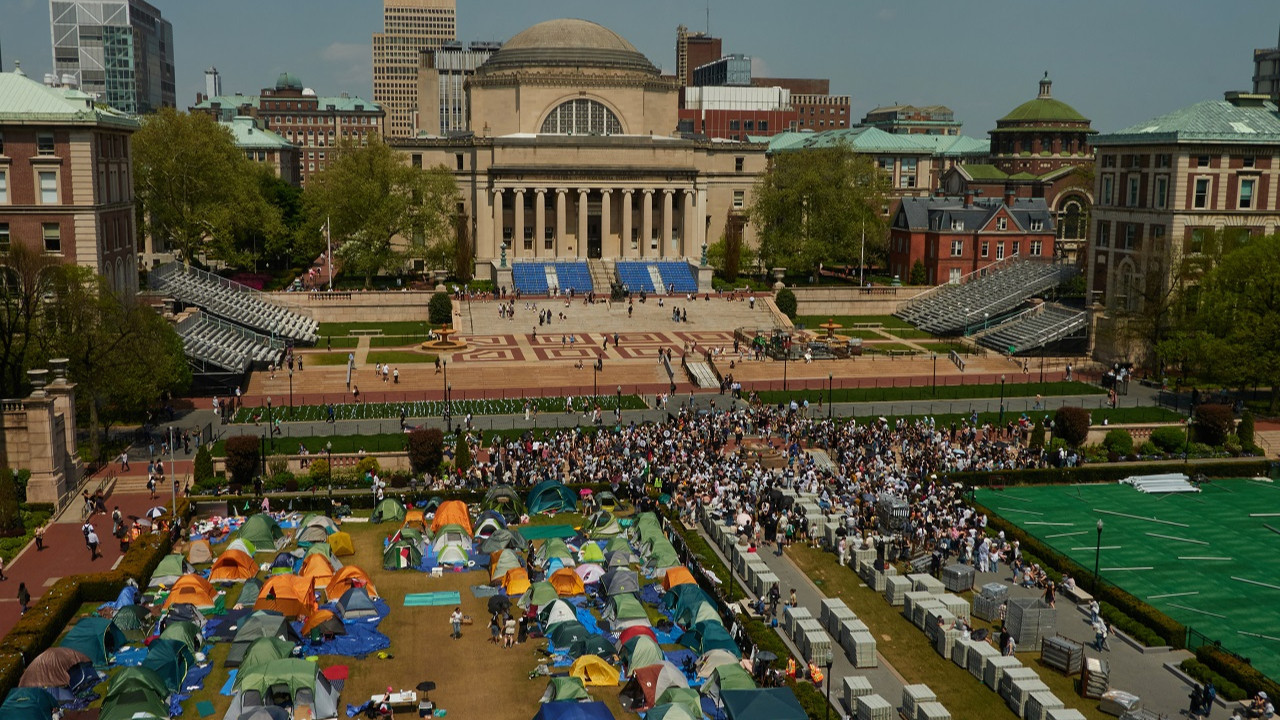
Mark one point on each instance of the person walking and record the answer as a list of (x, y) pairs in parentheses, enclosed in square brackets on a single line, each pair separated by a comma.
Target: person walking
[(91, 540), (2, 577), (455, 620), (24, 597), (509, 632), (124, 461)]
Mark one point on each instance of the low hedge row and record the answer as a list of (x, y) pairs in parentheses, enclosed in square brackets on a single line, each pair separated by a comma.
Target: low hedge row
[(318, 499), (1093, 473), (1128, 625), (1227, 690), (50, 615), (1237, 671)]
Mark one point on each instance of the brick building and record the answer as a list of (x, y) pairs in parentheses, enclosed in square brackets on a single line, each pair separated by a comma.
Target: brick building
[(733, 113), (66, 182), (954, 236), (266, 148), (912, 120)]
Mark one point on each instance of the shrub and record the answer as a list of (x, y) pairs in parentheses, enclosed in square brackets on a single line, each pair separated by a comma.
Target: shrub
[(462, 453), (1237, 670), (242, 458), (1128, 625), (318, 470), (202, 468), (1201, 672), (290, 482), (1119, 441), (10, 512), (1213, 423), (1037, 434), (1071, 424), (368, 464), (1149, 448), (277, 465), (1245, 430), (1169, 439), (786, 302), (20, 480), (440, 309), (919, 276), (426, 449)]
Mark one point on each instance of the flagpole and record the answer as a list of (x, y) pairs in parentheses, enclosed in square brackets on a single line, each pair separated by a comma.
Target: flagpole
[(328, 238)]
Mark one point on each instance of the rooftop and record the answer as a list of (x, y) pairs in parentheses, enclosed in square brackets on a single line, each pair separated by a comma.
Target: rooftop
[(23, 100), (248, 135), (874, 140), (922, 213), (1240, 118), (572, 43), (1044, 108), (340, 103)]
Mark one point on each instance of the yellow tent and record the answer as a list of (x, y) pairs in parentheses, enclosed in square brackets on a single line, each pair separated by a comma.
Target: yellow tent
[(416, 518), (340, 544), (593, 670), (515, 582)]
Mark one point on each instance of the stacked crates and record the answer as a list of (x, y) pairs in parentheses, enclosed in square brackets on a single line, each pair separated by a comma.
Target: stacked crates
[(855, 686), (858, 643), (874, 707), (913, 695), (987, 601), (790, 615), (1012, 675), (926, 583), (816, 646), (1039, 704), (764, 581), (1062, 654), (932, 711), (981, 653), (1029, 620), (1063, 714), (956, 605), (945, 640), (960, 651), (896, 588), (1095, 678), (1021, 690), (995, 669), (958, 578), (831, 612)]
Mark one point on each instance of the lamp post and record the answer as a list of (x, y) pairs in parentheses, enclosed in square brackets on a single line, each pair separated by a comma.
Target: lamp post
[(935, 374), (271, 429), (595, 390), (1097, 558), (830, 407), (619, 402), (291, 392), (786, 357), (1002, 400), (830, 660), (986, 320)]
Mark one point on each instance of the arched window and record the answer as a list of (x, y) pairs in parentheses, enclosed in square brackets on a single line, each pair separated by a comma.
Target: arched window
[(581, 117), (1129, 297), (1071, 220)]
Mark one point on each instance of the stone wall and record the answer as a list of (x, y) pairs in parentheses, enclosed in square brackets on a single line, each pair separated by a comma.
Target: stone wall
[(850, 300), (359, 306)]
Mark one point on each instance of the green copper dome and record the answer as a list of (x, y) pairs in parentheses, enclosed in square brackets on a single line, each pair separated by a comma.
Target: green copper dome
[(1044, 108), (288, 81)]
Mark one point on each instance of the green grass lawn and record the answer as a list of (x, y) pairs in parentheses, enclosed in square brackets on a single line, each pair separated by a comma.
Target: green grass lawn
[(406, 327), (888, 321), (944, 392), (404, 357), (946, 347), (335, 358), (435, 408), (395, 341), (911, 334), (342, 342), (885, 347)]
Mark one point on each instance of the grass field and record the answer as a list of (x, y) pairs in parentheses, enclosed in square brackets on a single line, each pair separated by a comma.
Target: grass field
[(418, 328), (342, 342), (813, 321), (401, 357), (333, 358), (394, 341), (1207, 560), (944, 392), (435, 408)]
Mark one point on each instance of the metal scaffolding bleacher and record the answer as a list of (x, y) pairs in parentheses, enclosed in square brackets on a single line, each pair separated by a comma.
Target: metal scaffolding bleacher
[(209, 341), (1035, 328), (983, 297), (233, 302)]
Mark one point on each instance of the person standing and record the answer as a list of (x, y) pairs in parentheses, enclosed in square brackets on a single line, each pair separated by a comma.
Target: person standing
[(40, 538), (509, 632), (455, 620), (91, 540), (24, 597), (124, 461)]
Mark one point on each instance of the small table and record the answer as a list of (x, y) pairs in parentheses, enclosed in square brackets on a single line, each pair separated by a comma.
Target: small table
[(406, 700)]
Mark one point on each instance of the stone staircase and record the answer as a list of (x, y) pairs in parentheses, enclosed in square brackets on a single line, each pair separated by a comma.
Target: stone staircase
[(601, 275)]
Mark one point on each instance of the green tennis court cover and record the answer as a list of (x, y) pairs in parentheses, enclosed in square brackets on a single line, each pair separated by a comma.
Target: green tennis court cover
[(1207, 559), (543, 532), (432, 598)]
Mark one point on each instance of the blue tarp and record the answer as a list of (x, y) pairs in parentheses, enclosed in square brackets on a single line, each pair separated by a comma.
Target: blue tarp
[(128, 596), (573, 710), (362, 638), (131, 656)]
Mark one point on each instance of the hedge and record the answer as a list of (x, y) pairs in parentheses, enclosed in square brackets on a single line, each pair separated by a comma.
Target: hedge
[(1106, 473), (1227, 690), (1237, 670)]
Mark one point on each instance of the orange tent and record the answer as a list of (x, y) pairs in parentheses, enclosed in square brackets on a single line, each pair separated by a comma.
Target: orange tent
[(566, 582), (677, 576), (289, 595), (232, 566), (515, 582), (415, 517), (315, 619), (192, 589), (347, 577), (318, 568), (451, 512)]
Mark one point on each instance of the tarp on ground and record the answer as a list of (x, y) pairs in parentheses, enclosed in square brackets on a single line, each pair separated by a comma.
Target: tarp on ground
[(356, 604), (233, 566), (185, 632), (516, 582), (709, 635), (502, 561), (727, 677), (194, 590), (171, 567), (601, 524), (647, 683), (619, 580), (594, 671), (347, 577), (264, 532), (401, 555), (452, 512), (762, 704), (341, 544), (539, 593), (564, 688), (289, 595), (502, 539), (52, 668), (678, 575), (199, 552), (28, 703), (573, 711), (256, 625), (389, 510), (94, 637), (566, 582), (551, 496), (640, 651), (171, 660), (264, 650), (504, 499), (318, 569)]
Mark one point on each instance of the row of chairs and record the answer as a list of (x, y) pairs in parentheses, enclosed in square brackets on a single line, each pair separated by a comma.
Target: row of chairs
[(1053, 323), (226, 346), (241, 305), (677, 274), (530, 278), (954, 308)]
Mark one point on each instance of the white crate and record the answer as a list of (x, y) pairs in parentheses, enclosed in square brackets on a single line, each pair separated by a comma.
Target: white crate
[(995, 668), (960, 651), (827, 606), (1063, 714), (927, 583), (1039, 703), (792, 613), (895, 589), (862, 650), (920, 612), (932, 710), (817, 647), (855, 686), (909, 601), (874, 707), (945, 639), (1020, 691), (1014, 675), (913, 695), (838, 617), (981, 653), (957, 605), (877, 581)]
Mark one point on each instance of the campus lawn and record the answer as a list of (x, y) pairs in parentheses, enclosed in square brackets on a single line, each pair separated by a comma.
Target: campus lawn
[(946, 347), (888, 321), (400, 357), (335, 358), (403, 327), (395, 341), (342, 342), (886, 347), (944, 392)]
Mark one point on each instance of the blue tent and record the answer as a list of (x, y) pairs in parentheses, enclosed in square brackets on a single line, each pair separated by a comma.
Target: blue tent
[(551, 496), (28, 704), (98, 638), (573, 710)]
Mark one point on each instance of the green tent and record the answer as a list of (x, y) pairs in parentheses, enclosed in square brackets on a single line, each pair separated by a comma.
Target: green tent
[(171, 568), (502, 539), (539, 593), (593, 645), (504, 499), (264, 650), (258, 624), (171, 660), (451, 529), (601, 524), (133, 620), (137, 678), (624, 606), (323, 548), (683, 697), (28, 703), (551, 496), (590, 553), (565, 633), (694, 612), (401, 555), (98, 638), (295, 673), (672, 711), (135, 692), (249, 592), (661, 555), (553, 548), (727, 677), (187, 633), (617, 542), (762, 704), (389, 510), (565, 688), (640, 651), (683, 593), (506, 560), (263, 531), (707, 635), (411, 534)]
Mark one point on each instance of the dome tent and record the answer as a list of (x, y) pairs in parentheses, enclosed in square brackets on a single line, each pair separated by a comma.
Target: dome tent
[(289, 595), (54, 668), (551, 496), (504, 499), (264, 650), (400, 555), (452, 512), (233, 566), (260, 624), (500, 562), (306, 686), (639, 652), (709, 635), (242, 545), (682, 697), (593, 670), (355, 603), (620, 580), (346, 578), (192, 589), (94, 637), (566, 582), (185, 632), (565, 688), (135, 692), (28, 703), (322, 622), (489, 522), (515, 582), (249, 592), (389, 510), (199, 552), (597, 645), (727, 677), (594, 710), (341, 544), (647, 683), (171, 660), (539, 594), (556, 612), (318, 569), (171, 568), (502, 539), (264, 532)]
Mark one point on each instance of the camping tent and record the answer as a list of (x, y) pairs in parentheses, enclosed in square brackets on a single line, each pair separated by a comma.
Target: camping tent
[(553, 548), (614, 544), (607, 501), (727, 677), (489, 522), (412, 534), (634, 630), (649, 682), (621, 608), (565, 688), (762, 704), (199, 552), (639, 652), (452, 512), (684, 593), (601, 524), (597, 645), (321, 521), (504, 538), (714, 658), (347, 577), (94, 637), (263, 531), (690, 614), (322, 622), (318, 568), (590, 573), (324, 549), (171, 568), (565, 633), (183, 612), (284, 562), (134, 620), (54, 668), (709, 635), (671, 711), (389, 510), (593, 670), (355, 604), (539, 593), (661, 555), (28, 703), (684, 697), (620, 558), (556, 612), (249, 592), (289, 595), (171, 660), (256, 625), (135, 692), (265, 649), (243, 546), (590, 553), (502, 561), (504, 499), (312, 534), (416, 518), (233, 566), (305, 684), (185, 632), (677, 576), (573, 711), (453, 552), (566, 582), (515, 582), (620, 580), (400, 555), (341, 544), (551, 496), (192, 589)]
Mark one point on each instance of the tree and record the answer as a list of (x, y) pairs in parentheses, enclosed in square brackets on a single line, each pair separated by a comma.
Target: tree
[(1213, 423), (919, 276), (202, 468), (10, 512), (462, 453), (1245, 430), (371, 198), (1037, 434), (786, 302), (243, 458), (440, 309), (426, 449), (25, 279), (813, 206), (1071, 424), (729, 255), (196, 191)]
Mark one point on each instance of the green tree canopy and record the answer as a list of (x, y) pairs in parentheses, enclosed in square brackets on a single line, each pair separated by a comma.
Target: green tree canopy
[(812, 206), (25, 278), (370, 197), (199, 193)]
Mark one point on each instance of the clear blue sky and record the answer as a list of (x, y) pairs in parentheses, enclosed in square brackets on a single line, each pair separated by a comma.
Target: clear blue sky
[(1117, 62)]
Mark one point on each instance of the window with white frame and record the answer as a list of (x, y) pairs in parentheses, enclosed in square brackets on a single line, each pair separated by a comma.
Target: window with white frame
[(1002, 223), (1246, 193), (1037, 248), (999, 251), (907, 175), (52, 237), (739, 199), (48, 183), (1037, 225), (957, 224), (4, 187), (957, 248), (1201, 200), (581, 117), (1134, 185), (1162, 192), (986, 248), (1106, 189)]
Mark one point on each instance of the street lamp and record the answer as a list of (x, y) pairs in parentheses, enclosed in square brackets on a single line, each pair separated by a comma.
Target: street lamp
[(830, 407), (619, 402), (786, 356), (830, 660), (271, 429), (290, 392), (1097, 558), (448, 416), (935, 374), (1002, 400), (986, 320)]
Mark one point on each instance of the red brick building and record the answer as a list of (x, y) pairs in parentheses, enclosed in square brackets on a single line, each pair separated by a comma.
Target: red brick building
[(66, 183), (953, 236)]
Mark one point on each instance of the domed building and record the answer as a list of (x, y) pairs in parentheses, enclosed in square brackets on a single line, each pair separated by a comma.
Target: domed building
[(573, 157), (1035, 151)]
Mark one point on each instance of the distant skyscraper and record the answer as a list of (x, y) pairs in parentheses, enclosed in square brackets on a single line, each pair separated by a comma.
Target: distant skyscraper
[(408, 28), (442, 80), (693, 50), (119, 50), (1266, 72), (212, 82)]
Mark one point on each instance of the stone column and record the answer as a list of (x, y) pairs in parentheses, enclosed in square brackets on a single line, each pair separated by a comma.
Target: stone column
[(624, 248), (560, 221), (667, 217), (539, 221), (582, 223), (700, 232), (497, 220), (517, 235), (646, 222), (686, 225), (606, 223)]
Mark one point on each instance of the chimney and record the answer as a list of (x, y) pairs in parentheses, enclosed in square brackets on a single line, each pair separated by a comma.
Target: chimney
[(968, 197), (1010, 196), (939, 192)]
